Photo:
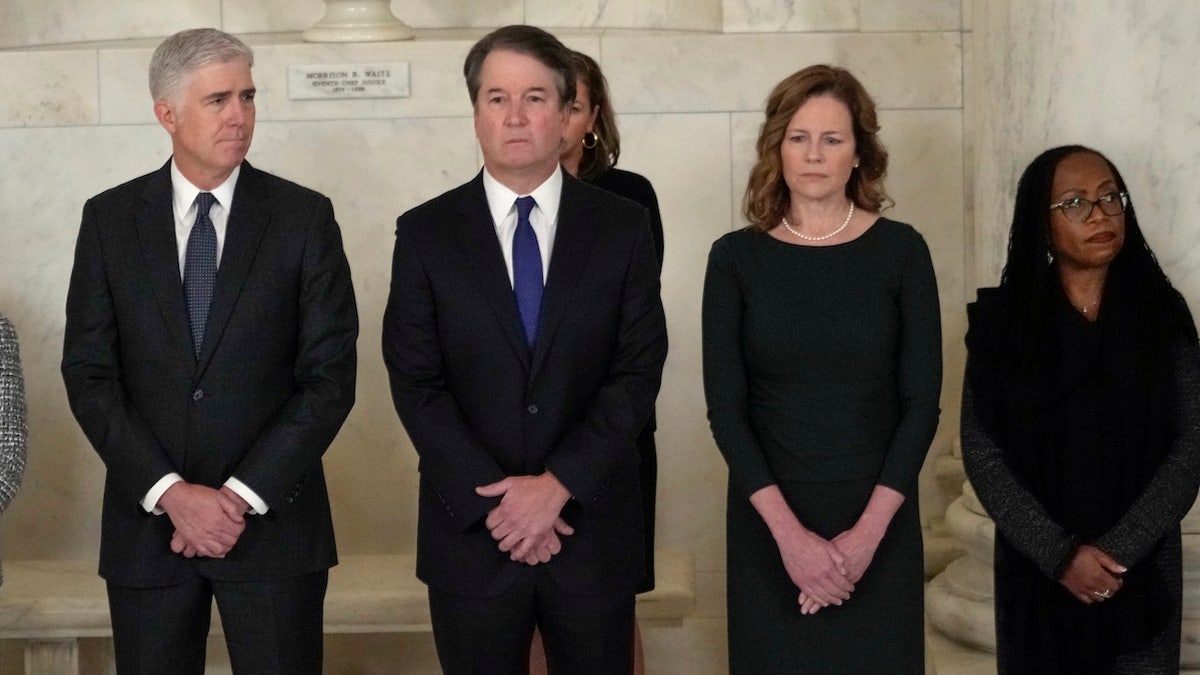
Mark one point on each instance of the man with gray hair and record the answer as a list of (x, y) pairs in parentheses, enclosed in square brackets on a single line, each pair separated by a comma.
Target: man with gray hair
[(209, 357)]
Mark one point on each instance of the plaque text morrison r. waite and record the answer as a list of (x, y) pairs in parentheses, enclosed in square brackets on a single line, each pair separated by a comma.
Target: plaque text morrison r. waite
[(360, 80)]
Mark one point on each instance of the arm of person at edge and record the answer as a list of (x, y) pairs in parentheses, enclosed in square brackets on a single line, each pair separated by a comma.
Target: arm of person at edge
[(13, 425), (603, 441), (812, 563), (919, 379), (1084, 570), (91, 369)]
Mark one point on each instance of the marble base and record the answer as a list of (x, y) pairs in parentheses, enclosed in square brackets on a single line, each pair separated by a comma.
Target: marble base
[(358, 21)]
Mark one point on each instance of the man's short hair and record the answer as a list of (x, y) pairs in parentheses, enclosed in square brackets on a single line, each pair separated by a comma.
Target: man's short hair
[(526, 40), (186, 51)]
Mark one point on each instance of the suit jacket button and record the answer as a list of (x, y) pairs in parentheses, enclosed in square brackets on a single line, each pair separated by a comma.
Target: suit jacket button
[(532, 409), (197, 395)]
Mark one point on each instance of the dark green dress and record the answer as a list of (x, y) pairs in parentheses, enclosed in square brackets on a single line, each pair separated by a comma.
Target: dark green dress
[(822, 371)]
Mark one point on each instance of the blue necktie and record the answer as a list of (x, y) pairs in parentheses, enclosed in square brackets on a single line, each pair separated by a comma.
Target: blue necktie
[(527, 270), (200, 269)]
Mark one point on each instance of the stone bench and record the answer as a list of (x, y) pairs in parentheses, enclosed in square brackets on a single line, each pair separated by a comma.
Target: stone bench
[(50, 604)]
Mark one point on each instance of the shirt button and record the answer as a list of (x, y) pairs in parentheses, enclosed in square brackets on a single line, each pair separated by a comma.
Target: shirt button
[(197, 395), (532, 409)]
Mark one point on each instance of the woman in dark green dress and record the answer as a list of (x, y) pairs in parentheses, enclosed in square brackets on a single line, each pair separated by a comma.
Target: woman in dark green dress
[(822, 371)]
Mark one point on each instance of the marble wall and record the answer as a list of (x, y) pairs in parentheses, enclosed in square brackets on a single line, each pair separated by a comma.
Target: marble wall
[(1120, 80), (688, 77)]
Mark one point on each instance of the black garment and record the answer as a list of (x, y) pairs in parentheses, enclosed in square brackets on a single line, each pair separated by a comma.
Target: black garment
[(636, 188), (272, 627), (1077, 439), (822, 371), (583, 634)]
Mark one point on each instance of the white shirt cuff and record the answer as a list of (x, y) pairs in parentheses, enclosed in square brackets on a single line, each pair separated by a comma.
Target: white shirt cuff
[(150, 501), (257, 505)]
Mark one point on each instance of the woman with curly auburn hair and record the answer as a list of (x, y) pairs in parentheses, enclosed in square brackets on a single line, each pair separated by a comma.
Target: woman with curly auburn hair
[(822, 372)]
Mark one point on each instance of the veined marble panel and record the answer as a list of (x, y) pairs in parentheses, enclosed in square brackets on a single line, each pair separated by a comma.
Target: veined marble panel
[(47, 88), (910, 15), (1117, 80), (691, 179), (667, 14), (775, 16), (296, 15), (683, 73), (42, 22)]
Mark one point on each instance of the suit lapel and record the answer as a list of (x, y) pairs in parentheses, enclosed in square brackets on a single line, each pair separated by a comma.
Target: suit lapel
[(155, 225), (476, 235), (572, 240), (243, 232)]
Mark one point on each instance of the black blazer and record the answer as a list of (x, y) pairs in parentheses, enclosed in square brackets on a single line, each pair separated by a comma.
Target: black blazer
[(478, 405), (273, 384)]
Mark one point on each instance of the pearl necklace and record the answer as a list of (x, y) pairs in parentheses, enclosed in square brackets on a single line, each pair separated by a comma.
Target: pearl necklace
[(798, 233)]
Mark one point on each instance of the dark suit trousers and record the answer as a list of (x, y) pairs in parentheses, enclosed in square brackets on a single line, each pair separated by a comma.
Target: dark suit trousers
[(583, 635), (272, 627)]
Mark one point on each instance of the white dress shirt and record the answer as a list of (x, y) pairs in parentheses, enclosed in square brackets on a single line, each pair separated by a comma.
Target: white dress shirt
[(544, 217), (183, 200)]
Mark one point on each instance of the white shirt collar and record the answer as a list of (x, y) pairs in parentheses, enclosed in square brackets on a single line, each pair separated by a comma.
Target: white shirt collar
[(500, 199), (183, 193)]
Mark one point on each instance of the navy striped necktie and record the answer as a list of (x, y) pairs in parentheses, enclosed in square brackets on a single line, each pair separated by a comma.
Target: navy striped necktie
[(200, 269), (527, 271)]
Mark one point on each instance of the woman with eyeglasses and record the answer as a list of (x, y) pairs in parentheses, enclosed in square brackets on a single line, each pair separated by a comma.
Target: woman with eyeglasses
[(1081, 428)]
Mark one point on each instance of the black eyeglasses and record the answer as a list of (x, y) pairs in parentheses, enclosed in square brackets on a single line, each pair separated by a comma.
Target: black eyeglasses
[(1079, 209)]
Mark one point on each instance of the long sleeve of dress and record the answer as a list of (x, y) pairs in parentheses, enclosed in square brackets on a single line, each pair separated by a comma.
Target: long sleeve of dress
[(725, 385), (1172, 489), (12, 415), (1017, 513), (919, 370)]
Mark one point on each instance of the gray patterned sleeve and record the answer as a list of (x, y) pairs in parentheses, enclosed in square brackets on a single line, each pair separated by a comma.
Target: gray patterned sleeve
[(12, 415), (1172, 489), (1017, 513)]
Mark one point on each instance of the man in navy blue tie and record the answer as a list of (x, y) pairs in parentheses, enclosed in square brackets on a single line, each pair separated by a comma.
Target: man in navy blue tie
[(524, 337)]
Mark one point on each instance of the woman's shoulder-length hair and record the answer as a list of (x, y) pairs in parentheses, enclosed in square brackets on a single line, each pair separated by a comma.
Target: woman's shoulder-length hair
[(767, 197)]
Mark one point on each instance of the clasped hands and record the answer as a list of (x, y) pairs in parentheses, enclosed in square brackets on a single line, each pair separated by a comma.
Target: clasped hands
[(824, 570), (1093, 575), (526, 523), (208, 521)]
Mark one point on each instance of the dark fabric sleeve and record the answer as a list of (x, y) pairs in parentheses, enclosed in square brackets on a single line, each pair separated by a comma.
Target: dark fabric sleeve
[(919, 370), (1172, 489), (1022, 519), (93, 374), (725, 385), (592, 451), (453, 458), (325, 370)]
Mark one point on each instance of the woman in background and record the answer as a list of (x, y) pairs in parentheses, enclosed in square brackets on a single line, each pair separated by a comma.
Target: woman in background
[(12, 416), (1081, 428), (822, 371), (591, 146)]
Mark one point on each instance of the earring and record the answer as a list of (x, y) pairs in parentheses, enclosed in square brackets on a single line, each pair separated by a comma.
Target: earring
[(1049, 257), (590, 139)]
